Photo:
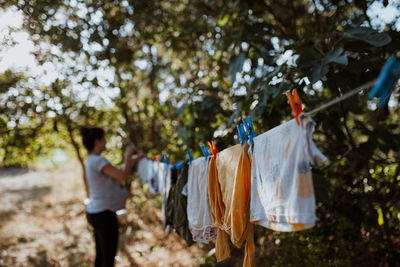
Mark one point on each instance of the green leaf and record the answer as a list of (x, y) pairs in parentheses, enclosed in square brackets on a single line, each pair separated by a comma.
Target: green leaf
[(307, 58), (222, 21), (336, 56), (368, 35), (380, 216), (319, 71)]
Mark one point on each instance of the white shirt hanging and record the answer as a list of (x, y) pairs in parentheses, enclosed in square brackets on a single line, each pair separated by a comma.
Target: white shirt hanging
[(282, 192)]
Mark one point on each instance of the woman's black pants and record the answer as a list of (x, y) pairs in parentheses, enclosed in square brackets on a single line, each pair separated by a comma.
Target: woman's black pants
[(105, 227)]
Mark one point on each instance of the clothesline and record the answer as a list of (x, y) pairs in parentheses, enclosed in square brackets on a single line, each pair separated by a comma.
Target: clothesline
[(222, 199), (341, 98)]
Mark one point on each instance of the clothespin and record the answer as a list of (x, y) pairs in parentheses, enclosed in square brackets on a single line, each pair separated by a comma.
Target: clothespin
[(153, 158), (214, 149), (249, 129), (387, 78), (253, 133), (295, 104), (242, 135), (178, 165), (190, 155), (166, 160), (205, 151), (202, 150)]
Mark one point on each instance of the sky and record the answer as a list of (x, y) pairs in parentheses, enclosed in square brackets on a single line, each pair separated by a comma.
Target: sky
[(18, 57)]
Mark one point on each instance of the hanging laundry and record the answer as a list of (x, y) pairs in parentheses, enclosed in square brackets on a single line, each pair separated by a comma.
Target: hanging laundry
[(229, 192), (282, 193), (164, 182), (153, 178), (169, 205), (164, 178), (176, 206), (144, 170), (198, 205)]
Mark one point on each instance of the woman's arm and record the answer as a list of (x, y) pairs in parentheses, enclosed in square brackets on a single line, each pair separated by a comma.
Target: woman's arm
[(122, 175), (115, 173)]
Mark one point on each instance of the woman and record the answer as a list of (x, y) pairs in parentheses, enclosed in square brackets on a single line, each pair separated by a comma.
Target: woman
[(106, 192)]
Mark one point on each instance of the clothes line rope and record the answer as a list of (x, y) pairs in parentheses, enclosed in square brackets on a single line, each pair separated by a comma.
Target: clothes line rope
[(341, 98)]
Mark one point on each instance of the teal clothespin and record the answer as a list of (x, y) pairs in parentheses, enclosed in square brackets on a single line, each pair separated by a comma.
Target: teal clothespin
[(253, 133), (244, 135), (179, 165), (248, 129), (166, 160), (176, 166), (202, 150), (190, 155), (205, 151), (387, 78)]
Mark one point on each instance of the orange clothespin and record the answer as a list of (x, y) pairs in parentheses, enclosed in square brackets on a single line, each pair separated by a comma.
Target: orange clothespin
[(213, 148), (153, 157), (295, 104)]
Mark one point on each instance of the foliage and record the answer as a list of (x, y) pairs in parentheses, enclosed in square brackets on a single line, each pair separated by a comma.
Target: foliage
[(217, 61)]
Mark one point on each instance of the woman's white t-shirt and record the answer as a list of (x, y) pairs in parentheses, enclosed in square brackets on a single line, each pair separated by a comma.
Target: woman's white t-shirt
[(105, 193)]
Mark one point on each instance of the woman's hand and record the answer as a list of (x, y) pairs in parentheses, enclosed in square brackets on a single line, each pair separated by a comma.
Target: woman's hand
[(135, 158), (129, 151)]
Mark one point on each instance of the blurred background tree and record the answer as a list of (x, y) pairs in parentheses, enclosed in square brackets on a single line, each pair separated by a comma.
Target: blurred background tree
[(171, 75)]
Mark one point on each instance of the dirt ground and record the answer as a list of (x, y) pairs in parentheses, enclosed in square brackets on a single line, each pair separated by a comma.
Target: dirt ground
[(43, 223)]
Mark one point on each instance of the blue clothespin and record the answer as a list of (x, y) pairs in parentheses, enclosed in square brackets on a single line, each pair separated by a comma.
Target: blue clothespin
[(202, 150), (249, 130), (166, 160), (205, 151), (246, 125), (244, 135), (253, 133), (387, 78), (178, 165), (190, 156), (240, 134)]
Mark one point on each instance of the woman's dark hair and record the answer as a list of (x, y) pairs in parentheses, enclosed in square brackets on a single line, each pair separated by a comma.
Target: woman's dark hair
[(90, 134)]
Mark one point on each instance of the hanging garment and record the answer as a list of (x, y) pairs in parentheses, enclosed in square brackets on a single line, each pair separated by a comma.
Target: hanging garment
[(164, 178), (176, 205), (229, 192), (282, 193), (144, 170), (153, 178), (198, 205), (164, 182), (169, 205)]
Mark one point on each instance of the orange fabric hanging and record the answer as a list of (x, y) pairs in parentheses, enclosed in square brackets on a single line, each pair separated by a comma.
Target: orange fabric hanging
[(229, 192)]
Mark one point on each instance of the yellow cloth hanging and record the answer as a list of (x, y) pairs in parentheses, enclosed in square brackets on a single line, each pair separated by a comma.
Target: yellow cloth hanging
[(229, 193)]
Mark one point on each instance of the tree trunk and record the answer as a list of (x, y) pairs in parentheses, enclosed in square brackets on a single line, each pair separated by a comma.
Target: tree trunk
[(78, 154)]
